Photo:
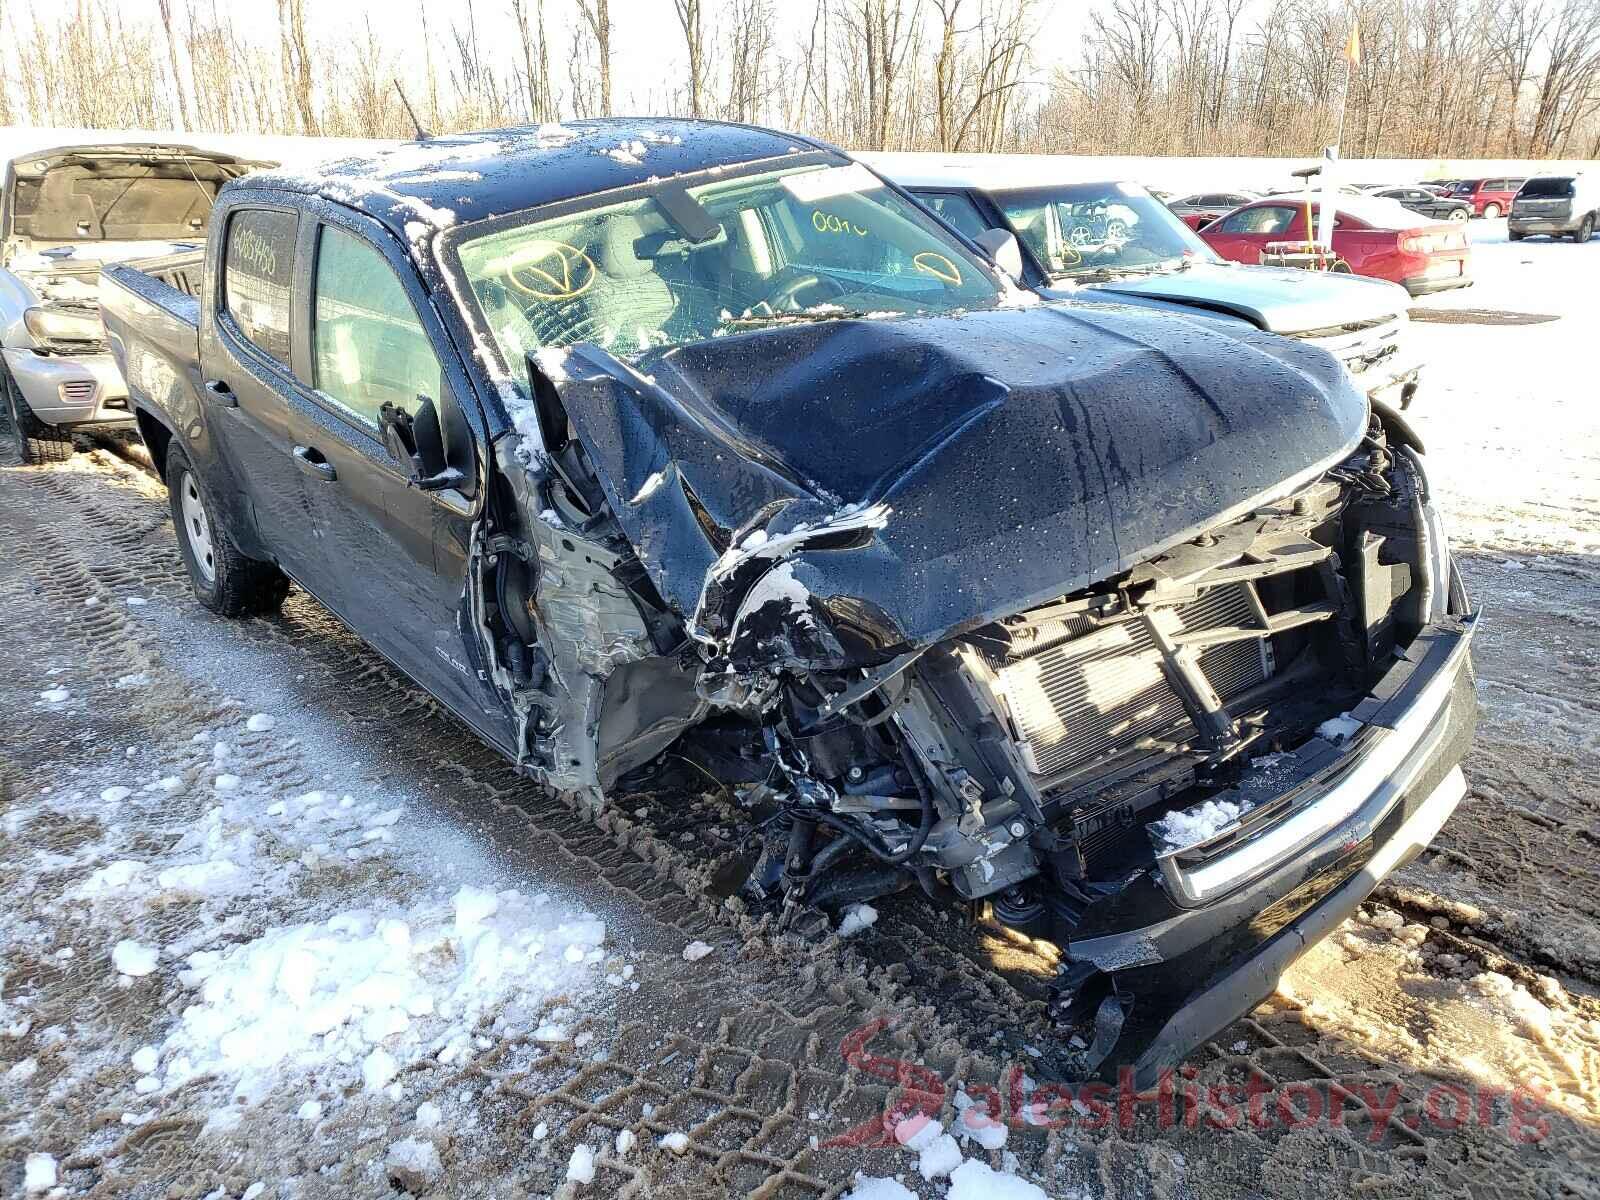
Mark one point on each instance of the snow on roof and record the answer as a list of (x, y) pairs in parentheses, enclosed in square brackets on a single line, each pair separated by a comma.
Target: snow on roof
[(990, 171)]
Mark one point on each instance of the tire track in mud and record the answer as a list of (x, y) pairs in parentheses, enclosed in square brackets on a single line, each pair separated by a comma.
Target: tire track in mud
[(739, 1050)]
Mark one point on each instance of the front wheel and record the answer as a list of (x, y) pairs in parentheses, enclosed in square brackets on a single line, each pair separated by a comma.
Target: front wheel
[(1458, 214), (224, 580), (24, 438), (1491, 211), (1585, 230)]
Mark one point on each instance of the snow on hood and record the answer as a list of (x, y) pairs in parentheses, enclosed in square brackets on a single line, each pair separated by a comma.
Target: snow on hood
[(1379, 212), (1281, 299)]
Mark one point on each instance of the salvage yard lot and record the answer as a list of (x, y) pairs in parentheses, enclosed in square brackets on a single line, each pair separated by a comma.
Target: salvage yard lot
[(185, 804)]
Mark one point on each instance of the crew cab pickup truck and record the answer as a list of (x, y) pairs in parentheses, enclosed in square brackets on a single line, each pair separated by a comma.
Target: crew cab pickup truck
[(64, 212), (1111, 240), (1125, 631)]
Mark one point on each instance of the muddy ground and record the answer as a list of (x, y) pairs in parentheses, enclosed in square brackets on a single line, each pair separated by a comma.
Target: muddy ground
[(1446, 1042)]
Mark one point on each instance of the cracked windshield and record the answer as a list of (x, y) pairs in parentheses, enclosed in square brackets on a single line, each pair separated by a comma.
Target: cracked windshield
[(1101, 230), (686, 264)]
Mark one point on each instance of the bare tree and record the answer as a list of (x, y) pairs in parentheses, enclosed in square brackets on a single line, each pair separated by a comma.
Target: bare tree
[(165, 7), (597, 16), (297, 61), (748, 55), (691, 19), (535, 59)]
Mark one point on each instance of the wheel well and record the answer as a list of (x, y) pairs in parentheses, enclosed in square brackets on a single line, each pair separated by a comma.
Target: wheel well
[(157, 437)]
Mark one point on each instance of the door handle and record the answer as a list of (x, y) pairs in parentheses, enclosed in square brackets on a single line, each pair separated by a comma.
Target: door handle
[(309, 459), (222, 393)]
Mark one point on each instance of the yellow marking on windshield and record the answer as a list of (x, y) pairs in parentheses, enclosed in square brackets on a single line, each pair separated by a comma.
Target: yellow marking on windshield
[(931, 262), (827, 222), (553, 270)]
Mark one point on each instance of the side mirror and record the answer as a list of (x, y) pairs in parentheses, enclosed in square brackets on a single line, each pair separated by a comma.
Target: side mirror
[(416, 443), (1001, 247)]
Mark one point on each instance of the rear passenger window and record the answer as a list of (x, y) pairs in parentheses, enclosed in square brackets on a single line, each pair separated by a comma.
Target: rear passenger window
[(368, 346), (258, 273)]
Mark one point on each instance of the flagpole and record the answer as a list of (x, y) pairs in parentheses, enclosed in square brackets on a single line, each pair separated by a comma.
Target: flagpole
[(1335, 153)]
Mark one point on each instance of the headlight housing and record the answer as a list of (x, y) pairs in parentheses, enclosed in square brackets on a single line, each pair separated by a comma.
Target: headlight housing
[(63, 325)]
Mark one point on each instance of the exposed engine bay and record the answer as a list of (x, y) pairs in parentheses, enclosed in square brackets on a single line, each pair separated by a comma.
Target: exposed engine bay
[(1075, 706), (1028, 768)]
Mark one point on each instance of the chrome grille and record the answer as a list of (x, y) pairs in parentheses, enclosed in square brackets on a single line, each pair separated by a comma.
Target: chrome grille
[(1082, 699)]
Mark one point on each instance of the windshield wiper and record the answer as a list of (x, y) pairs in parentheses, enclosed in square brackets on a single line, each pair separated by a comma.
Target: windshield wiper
[(1108, 273), (799, 316)]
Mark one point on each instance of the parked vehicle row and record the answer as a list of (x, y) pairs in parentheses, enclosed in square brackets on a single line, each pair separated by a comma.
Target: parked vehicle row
[(1372, 237), (1111, 240), (1132, 631), (64, 213), (1566, 205)]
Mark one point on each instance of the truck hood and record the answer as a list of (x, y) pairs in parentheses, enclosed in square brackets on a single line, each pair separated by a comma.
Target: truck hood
[(1277, 299), (885, 484)]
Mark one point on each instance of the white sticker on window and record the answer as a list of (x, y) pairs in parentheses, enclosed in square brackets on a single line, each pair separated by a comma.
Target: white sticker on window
[(1130, 189), (808, 187)]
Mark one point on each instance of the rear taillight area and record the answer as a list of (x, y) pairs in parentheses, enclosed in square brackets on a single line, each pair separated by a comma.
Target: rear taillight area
[(1433, 242)]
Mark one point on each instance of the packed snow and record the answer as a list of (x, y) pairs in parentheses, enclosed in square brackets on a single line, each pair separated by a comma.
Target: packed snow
[(336, 998), (1191, 826), (856, 918)]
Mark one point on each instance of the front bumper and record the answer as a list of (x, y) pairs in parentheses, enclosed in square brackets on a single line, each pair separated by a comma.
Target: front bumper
[(62, 390), (1232, 914)]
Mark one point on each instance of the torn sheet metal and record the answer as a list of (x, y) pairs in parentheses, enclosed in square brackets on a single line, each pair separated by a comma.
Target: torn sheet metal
[(1002, 458)]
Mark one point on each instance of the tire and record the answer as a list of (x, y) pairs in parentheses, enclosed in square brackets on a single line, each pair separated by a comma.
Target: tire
[(26, 439), (1585, 230), (1458, 214), (1491, 211), (224, 580), (1514, 235)]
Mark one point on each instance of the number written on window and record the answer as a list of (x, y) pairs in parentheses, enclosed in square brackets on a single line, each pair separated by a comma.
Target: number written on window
[(258, 273)]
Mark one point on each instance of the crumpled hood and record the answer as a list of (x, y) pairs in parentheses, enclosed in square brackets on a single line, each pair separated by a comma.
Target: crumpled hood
[(1280, 299), (891, 482)]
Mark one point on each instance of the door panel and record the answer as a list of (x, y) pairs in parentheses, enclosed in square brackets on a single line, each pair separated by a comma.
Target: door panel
[(245, 354), (369, 344)]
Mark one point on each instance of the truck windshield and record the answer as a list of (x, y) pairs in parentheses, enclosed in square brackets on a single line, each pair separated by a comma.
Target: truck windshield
[(687, 264), (1100, 228)]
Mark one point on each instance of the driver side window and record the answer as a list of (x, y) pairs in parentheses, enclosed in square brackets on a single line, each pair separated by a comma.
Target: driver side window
[(368, 346)]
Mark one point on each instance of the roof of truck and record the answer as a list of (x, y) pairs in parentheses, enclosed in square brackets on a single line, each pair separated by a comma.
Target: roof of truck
[(455, 179)]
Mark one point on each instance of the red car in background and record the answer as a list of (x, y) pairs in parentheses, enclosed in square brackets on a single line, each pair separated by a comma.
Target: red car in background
[(1377, 238), (1489, 197)]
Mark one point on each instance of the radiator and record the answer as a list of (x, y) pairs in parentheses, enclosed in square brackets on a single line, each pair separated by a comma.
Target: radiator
[(1077, 699)]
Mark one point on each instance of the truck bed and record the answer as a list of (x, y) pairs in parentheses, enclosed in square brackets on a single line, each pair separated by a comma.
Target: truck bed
[(152, 321)]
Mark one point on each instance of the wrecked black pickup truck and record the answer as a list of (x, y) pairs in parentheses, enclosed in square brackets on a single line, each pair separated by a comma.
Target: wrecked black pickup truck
[(1133, 634)]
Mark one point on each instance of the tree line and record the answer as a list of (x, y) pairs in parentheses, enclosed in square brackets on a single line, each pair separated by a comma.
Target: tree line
[(1435, 78)]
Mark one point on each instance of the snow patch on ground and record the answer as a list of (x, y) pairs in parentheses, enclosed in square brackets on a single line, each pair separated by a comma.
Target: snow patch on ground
[(856, 918), (360, 985)]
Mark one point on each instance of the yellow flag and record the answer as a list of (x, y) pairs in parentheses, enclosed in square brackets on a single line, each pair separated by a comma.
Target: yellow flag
[(1352, 48)]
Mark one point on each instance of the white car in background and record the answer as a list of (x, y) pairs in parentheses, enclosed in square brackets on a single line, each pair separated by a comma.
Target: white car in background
[(1089, 238), (64, 213)]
